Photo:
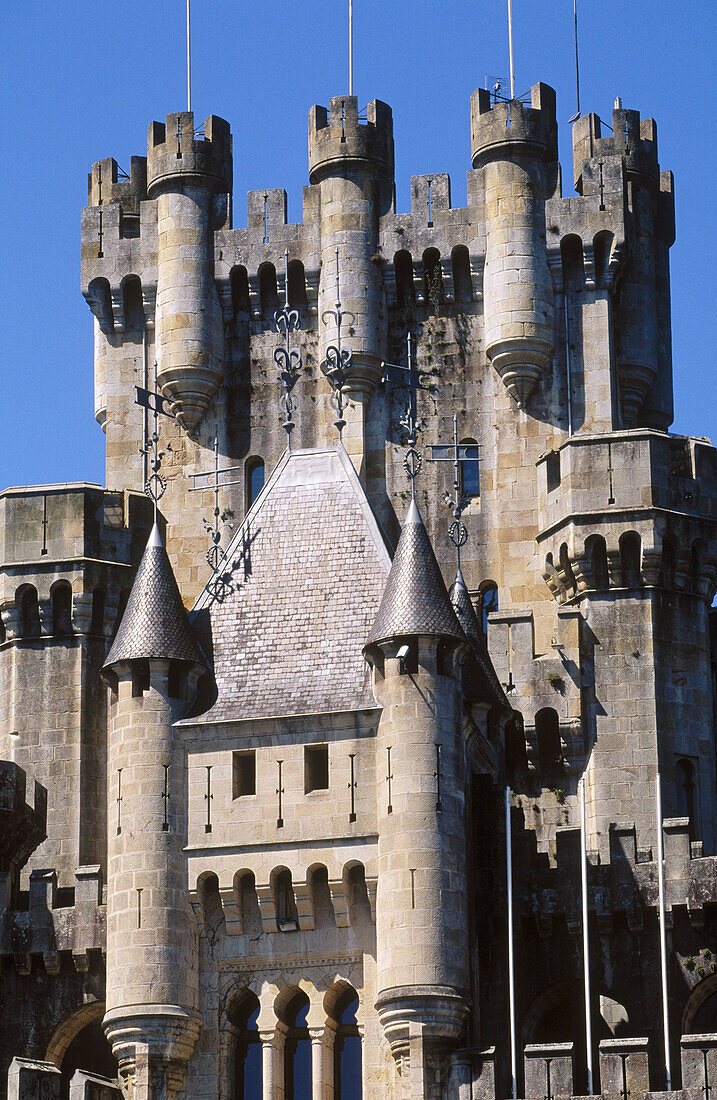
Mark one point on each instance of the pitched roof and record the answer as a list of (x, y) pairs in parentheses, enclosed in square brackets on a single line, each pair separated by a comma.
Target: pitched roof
[(155, 622), (305, 574), (415, 600), (480, 678)]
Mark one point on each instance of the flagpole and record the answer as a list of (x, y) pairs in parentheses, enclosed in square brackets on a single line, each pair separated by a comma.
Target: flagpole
[(189, 61), (586, 942), (511, 959), (663, 943), (510, 47), (351, 47), (577, 70)]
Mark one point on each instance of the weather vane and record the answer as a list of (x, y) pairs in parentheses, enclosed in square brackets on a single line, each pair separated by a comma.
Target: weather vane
[(412, 379), (156, 484), (339, 361), (461, 455), (287, 359)]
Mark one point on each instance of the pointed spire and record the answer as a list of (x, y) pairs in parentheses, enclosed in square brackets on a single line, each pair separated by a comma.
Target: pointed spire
[(463, 607), (415, 600), (155, 622)]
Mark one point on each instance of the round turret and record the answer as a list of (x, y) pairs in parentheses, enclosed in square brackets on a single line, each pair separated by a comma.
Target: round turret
[(188, 175), (516, 147), (337, 140)]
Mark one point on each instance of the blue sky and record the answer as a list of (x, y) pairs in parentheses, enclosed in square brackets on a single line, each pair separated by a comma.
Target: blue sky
[(81, 81)]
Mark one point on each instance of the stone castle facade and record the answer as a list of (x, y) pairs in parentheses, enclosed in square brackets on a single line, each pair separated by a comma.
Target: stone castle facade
[(252, 823)]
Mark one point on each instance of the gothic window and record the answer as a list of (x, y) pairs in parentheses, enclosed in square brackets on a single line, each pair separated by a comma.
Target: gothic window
[(461, 266), (248, 1078), (297, 1050), (547, 734), (630, 559), (470, 471), (347, 1048), (488, 602), (403, 274), (255, 472), (29, 613)]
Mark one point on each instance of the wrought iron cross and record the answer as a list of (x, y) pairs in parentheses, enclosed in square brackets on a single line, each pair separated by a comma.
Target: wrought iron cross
[(413, 380), (460, 454), (339, 361), (287, 359), (156, 484)]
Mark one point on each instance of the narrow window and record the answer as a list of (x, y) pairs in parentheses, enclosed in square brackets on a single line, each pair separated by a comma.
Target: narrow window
[(244, 773), (597, 552), (61, 600), (254, 479), (552, 470), (97, 622), (347, 1049), (287, 918), (432, 278), (239, 283), (316, 768), (29, 613), (297, 285), (489, 603), (297, 1051), (470, 469), (268, 293), (443, 659), (461, 265), (630, 559), (547, 732), (248, 1074), (403, 273)]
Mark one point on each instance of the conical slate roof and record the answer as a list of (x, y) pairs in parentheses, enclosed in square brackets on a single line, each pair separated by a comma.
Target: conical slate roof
[(482, 683), (415, 600), (155, 621)]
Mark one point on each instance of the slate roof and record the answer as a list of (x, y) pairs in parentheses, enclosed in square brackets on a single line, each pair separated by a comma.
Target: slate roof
[(155, 622), (307, 570), (415, 600), (480, 678)]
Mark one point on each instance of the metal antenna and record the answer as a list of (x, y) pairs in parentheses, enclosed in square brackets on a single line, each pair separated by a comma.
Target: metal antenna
[(189, 60), (351, 47), (156, 484), (339, 361), (287, 359), (510, 47), (576, 116)]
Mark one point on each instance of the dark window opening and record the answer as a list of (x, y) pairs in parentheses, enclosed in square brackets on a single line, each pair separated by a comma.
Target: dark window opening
[(88, 1051), (461, 267), (297, 1051), (552, 470), (97, 622), (29, 614), (61, 601), (470, 469), (443, 658), (254, 479), (287, 917), (248, 1071), (432, 278), (244, 773), (239, 284), (316, 768), (597, 552), (132, 302), (488, 602), (347, 1049), (547, 733), (630, 559), (403, 273), (268, 293), (297, 285)]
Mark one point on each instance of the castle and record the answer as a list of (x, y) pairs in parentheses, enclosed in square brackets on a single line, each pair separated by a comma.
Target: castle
[(256, 749)]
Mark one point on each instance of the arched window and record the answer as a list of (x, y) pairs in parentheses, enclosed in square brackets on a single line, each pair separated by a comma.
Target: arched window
[(29, 613), (297, 1050), (347, 1048), (255, 473), (432, 278), (488, 602), (132, 303), (97, 622), (547, 734), (239, 284), (668, 562), (571, 250), (248, 1077), (287, 918), (470, 471), (403, 273), (297, 285), (630, 559), (61, 601), (268, 293), (686, 793), (461, 267), (597, 552)]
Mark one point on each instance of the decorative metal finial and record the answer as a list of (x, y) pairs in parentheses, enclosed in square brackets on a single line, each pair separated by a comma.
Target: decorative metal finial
[(460, 454), (412, 379), (287, 359), (220, 521), (156, 484), (339, 361), (220, 583)]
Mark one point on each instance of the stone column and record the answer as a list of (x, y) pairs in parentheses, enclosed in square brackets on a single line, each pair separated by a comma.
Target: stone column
[(270, 1062), (318, 1062)]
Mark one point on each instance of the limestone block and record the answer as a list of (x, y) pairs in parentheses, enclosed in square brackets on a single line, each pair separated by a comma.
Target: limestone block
[(86, 1086), (624, 1067), (29, 1080), (548, 1070)]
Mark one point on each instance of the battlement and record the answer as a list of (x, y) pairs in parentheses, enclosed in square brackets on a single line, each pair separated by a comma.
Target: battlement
[(23, 827), (176, 152), (498, 127), (632, 137), (338, 138), (107, 184)]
